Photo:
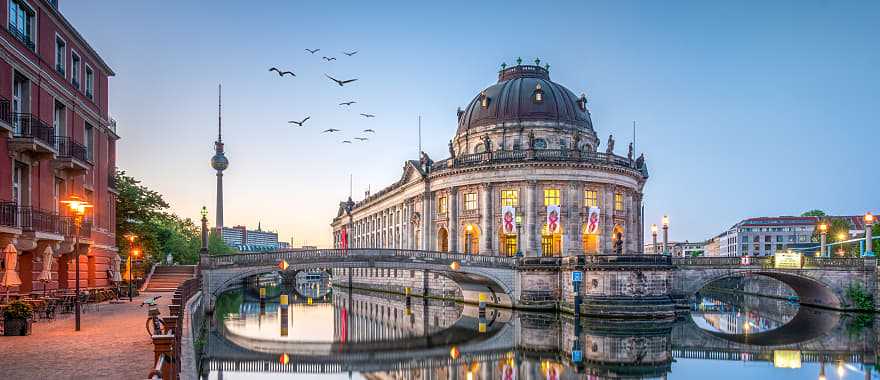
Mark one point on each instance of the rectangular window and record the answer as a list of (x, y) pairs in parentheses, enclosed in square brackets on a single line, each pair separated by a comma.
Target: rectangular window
[(767, 238), (21, 23), (60, 55), (618, 202), (551, 197), (470, 201), (591, 198), (88, 141), (442, 205), (90, 83), (58, 120), (75, 69), (510, 198), (58, 193)]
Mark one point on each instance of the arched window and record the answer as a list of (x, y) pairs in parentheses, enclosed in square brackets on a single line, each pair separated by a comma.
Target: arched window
[(538, 95)]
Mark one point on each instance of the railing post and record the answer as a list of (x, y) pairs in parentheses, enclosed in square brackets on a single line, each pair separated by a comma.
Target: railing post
[(164, 345)]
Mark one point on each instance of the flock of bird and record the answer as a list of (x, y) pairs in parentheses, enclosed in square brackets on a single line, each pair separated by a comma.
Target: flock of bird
[(301, 123)]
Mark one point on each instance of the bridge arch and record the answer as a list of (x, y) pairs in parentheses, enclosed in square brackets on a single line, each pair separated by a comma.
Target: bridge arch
[(810, 290)]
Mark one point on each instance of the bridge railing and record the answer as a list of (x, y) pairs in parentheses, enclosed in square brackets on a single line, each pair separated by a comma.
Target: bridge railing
[(292, 256), (807, 262)]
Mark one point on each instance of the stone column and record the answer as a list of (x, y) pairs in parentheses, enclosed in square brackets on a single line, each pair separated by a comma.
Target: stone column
[(486, 219), (529, 246), (607, 219), (427, 220), (574, 202), (452, 205)]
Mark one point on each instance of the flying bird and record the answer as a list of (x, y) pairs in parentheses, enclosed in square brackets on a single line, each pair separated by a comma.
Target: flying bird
[(367, 115), (282, 73), (313, 51), (340, 82), (350, 54), (331, 130), (328, 59), (346, 142), (369, 131), (300, 123), (361, 138), (347, 103)]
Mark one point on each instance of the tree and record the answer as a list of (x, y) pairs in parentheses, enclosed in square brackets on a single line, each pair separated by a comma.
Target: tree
[(838, 231), (216, 245), (818, 213)]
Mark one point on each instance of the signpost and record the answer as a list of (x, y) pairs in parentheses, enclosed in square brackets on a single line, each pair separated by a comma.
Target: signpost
[(577, 277)]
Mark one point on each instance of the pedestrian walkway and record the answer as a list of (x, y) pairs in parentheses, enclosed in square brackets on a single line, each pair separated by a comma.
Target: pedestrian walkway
[(113, 344)]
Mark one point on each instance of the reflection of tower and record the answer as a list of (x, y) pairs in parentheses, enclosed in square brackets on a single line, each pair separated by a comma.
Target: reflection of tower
[(219, 163)]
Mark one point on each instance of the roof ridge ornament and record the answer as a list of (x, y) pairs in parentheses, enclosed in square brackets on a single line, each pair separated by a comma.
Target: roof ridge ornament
[(518, 61)]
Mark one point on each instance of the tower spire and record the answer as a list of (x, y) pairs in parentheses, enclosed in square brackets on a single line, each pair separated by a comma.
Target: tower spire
[(220, 112)]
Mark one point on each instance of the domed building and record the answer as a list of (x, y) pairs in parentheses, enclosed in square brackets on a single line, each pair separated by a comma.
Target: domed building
[(525, 174)]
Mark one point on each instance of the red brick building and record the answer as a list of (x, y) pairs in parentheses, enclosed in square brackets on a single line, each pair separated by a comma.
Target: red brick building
[(56, 140)]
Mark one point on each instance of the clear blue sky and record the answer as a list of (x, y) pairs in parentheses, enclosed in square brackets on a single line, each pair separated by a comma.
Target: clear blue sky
[(744, 108)]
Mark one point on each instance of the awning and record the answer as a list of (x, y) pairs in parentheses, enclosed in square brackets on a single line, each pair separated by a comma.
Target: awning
[(10, 276), (46, 273)]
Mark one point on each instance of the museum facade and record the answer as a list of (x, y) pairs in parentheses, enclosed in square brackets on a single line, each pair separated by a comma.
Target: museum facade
[(525, 176)]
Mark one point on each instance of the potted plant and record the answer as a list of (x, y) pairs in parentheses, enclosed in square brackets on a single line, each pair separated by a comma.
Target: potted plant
[(17, 319)]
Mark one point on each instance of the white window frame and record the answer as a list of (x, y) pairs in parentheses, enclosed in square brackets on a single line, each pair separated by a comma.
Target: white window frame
[(90, 92), (63, 61), (60, 125), (76, 80), (35, 28)]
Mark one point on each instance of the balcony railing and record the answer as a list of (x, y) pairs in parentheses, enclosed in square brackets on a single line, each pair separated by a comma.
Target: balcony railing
[(24, 38), (67, 227), (32, 219), (67, 147), (4, 111), (30, 126), (8, 214), (502, 156)]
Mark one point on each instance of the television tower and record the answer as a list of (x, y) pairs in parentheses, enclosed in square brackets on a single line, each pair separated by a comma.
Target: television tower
[(219, 162)]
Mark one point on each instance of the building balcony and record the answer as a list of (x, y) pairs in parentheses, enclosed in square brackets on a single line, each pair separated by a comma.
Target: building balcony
[(33, 136), (9, 218), (72, 156), (35, 220), (5, 116)]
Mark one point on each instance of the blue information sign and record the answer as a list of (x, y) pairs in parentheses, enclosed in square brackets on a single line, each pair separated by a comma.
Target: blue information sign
[(577, 356), (577, 276)]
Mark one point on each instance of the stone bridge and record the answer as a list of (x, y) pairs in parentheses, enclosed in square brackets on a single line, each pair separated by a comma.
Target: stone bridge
[(643, 284), (818, 281)]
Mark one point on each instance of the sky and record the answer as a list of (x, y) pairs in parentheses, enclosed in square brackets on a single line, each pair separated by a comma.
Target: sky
[(744, 109)]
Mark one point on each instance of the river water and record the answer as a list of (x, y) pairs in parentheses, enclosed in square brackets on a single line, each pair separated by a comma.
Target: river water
[(337, 333)]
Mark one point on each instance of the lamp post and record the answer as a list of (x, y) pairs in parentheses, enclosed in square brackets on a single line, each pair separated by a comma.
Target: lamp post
[(654, 238), (78, 207), (131, 238), (467, 239), (204, 249), (518, 238), (823, 238), (665, 234), (869, 239)]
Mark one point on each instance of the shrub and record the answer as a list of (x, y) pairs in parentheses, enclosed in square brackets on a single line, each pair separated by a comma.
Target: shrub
[(861, 298), (18, 310)]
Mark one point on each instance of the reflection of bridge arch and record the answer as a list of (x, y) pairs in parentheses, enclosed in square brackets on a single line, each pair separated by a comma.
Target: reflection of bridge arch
[(806, 325), (810, 291)]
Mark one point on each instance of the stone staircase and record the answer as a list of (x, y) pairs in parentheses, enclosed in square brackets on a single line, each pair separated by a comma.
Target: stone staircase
[(166, 278)]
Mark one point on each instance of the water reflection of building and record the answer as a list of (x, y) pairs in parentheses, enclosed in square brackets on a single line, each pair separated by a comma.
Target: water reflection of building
[(727, 313), (525, 147)]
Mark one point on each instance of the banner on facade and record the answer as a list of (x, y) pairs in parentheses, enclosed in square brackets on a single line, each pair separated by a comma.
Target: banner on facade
[(554, 218), (344, 242), (508, 220), (593, 221)]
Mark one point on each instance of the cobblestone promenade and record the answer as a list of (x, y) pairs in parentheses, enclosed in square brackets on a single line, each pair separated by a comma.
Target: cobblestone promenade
[(112, 345)]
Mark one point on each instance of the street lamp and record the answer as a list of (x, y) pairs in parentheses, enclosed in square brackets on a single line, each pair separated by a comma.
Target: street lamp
[(869, 239), (78, 208), (467, 241), (131, 238), (823, 237), (665, 223), (518, 238), (204, 249), (654, 238)]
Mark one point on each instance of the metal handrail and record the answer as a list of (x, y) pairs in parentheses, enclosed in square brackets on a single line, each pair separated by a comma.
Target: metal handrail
[(293, 256), (30, 126), (26, 40), (8, 214), (68, 147)]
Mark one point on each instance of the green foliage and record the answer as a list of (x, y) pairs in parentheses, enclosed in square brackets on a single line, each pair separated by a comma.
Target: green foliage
[(860, 297), (216, 245), (818, 213), (18, 310), (143, 212)]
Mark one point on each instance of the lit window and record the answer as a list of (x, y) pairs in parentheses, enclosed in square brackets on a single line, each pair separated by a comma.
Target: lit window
[(510, 198), (618, 202), (591, 198), (551, 197), (470, 201), (442, 205)]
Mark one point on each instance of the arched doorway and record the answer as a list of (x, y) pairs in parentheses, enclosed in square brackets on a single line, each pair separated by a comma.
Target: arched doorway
[(551, 242), (471, 239), (617, 240), (443, 240), (590, 240), (508, 242)]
